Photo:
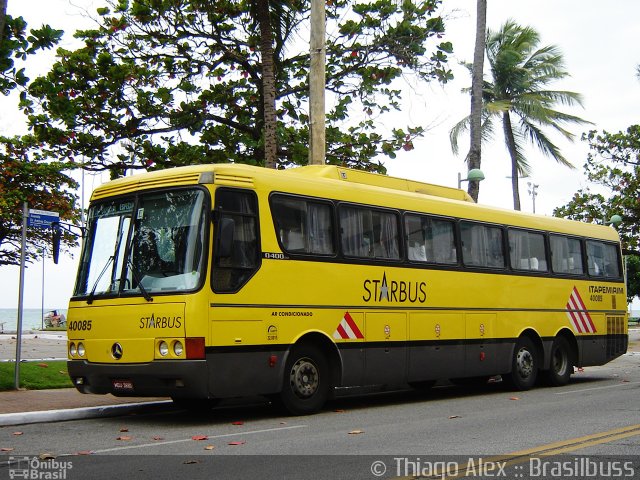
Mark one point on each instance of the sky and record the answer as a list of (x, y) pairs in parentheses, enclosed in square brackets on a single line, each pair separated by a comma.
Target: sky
[(596, 39)]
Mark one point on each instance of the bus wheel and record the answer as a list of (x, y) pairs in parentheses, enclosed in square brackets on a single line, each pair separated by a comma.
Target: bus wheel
[(524, 365), (306, 381), (561, 366)]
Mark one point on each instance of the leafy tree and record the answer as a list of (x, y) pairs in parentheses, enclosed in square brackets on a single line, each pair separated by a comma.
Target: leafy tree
[(516, 95), (17, 44), (43, 185), (161, 83), (633, 277), (26, 176), (613, 165)]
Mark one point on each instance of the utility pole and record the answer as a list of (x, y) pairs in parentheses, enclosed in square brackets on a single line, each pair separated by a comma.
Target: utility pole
[(317, 84)]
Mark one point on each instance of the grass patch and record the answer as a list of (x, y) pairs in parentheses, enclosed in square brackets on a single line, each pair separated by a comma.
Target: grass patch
[(35, 375)]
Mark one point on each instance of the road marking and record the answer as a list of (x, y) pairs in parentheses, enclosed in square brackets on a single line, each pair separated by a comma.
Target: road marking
[(550, 449), (579, 442), (185, 440), (597, 388)]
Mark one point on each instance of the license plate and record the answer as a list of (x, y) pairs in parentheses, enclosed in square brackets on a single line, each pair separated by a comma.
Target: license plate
[(126, 385)]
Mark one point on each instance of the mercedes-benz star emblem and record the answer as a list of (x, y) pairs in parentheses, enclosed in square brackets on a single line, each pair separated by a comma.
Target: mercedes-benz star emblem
[(116, 351)]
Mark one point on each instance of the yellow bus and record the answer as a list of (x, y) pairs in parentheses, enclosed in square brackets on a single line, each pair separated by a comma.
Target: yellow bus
[(215, 281)]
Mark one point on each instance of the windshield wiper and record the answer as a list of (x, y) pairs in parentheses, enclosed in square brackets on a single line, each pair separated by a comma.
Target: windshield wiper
[(95, 285), (144, 291)]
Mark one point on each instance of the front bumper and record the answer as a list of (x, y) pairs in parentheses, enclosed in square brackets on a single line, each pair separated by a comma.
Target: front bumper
[(183, 379)]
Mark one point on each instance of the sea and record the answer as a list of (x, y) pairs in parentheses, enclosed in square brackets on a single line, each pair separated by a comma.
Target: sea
[(32, 318)]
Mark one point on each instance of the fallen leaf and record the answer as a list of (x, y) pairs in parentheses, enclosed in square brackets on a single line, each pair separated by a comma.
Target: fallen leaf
[(157, 437), (237, 423), (43, 365), (6, 449), (123, 437), (356, 432), (451, 417), (236, 443), (199, 437), (85, 452), (339, 410), (514, 398), (124, 429), (62, 372), (190, 462), (209, 447), (17, 433), (283, 423)]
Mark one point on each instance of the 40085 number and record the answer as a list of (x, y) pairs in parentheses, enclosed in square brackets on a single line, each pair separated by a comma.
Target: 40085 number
[(79, 325)]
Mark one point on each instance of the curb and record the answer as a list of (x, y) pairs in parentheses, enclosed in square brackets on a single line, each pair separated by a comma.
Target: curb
[(24, 418)]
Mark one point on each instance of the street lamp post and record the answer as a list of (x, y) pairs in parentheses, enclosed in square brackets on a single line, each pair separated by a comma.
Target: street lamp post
[(474, 175), (44, 252), (533, 191)]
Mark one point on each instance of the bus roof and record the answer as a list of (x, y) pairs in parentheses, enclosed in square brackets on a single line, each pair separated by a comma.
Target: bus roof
[(341, 183)]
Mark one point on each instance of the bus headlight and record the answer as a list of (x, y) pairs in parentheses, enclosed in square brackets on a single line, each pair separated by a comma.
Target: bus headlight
[(81, 350), (72, 349), (178, 348), (163, 348)]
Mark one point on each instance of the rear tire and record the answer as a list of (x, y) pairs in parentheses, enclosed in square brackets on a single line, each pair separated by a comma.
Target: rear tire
[(524, 365), (306, 382), (561, 366)]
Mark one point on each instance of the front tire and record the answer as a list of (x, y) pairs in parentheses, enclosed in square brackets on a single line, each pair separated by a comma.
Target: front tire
[(561, 366), (524, 365), (306, 383)]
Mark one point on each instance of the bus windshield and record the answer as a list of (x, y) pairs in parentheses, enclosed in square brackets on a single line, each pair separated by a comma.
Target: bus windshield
[(152, 243)]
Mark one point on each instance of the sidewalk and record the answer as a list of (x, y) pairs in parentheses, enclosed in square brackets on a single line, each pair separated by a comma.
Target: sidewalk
[(31, 406), (17, 401)]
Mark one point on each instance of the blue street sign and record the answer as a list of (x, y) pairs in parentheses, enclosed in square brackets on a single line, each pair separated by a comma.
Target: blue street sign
[(42, 218)]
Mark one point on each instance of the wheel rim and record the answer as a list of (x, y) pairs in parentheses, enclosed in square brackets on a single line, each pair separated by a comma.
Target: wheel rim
[(304, 378), (560, 361), (524, 363)]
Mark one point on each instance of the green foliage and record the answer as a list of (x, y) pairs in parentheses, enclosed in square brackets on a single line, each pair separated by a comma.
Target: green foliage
[(633, 277), (613, 165), (35, 375), (17, 45), (43, 185), (164, 83)]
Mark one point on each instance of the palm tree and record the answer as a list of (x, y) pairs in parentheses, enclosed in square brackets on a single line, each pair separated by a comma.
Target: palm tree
[(274, 19), (474, 156), (517, 95)]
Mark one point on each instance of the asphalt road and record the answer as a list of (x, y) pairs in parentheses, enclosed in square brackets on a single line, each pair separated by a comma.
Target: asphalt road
[(594, 419)]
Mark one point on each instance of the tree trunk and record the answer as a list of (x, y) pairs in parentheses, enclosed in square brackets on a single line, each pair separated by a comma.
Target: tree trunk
[(511, 147), (3, 14), (475, 127), (268, 84)]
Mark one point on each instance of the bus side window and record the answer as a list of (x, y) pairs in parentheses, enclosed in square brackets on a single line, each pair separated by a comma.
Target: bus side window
[(527, 250), (566, 255), (236, 246), (602, 259), (481, 245), (304, 226)]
